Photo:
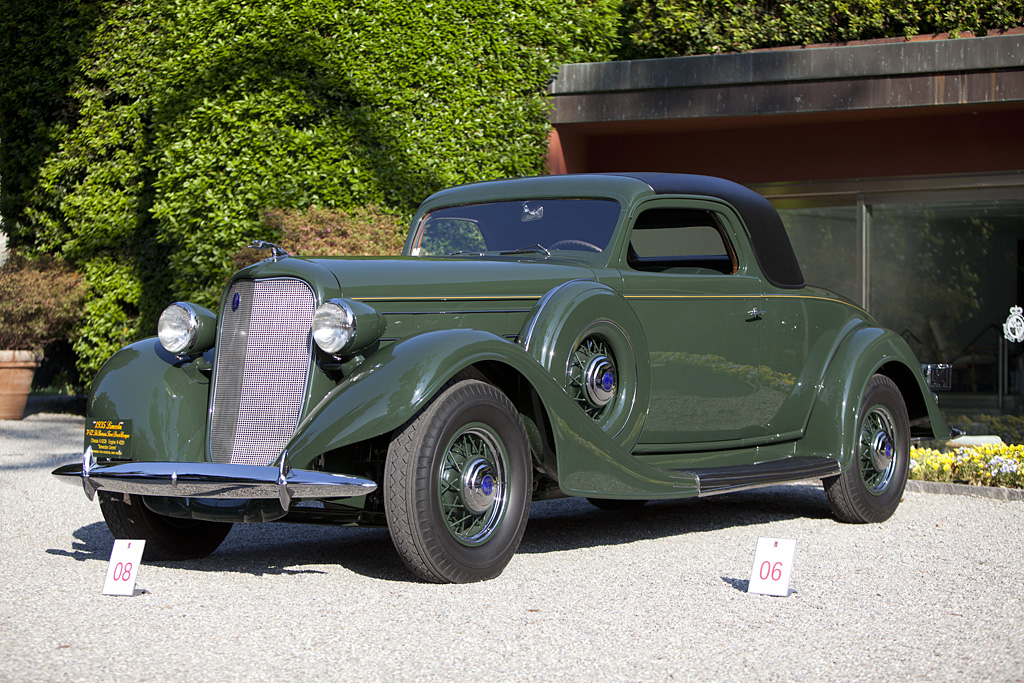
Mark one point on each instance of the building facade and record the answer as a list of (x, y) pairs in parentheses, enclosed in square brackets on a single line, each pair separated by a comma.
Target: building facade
[(897, 166)]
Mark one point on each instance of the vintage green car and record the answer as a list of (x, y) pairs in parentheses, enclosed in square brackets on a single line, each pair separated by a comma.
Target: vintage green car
[(621, 337)]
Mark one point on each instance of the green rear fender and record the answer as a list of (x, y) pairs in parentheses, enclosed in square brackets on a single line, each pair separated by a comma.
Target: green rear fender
[(390, 386), (165, 400), (832, 428)]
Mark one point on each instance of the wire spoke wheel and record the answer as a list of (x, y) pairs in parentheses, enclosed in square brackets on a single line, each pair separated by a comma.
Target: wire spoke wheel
[(472, 487), (876, 457), (592, 378), (457, 484), (870, 488)]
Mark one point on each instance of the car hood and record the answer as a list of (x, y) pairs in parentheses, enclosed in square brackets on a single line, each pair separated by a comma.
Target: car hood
[(417, 278)]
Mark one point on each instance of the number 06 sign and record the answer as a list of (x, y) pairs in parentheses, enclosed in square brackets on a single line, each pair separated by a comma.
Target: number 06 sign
[(773, 563), (123, 569)]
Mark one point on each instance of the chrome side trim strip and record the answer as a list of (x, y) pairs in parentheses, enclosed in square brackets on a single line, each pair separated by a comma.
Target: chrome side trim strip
[(458, 312), (211, 480)]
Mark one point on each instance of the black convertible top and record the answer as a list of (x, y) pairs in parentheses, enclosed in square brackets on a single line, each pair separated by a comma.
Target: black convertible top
[(768, 236)]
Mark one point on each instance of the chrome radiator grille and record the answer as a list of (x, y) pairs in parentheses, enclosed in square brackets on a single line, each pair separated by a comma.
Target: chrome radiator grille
[(262, 362)]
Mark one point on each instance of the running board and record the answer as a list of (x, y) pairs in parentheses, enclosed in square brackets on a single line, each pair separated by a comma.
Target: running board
[(712, 480)]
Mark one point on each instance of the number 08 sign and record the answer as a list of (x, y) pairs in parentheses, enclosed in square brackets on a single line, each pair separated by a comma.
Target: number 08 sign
[(123, 569), (773, 563)]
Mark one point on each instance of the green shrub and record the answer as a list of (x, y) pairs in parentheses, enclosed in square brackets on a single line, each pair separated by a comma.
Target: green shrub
[(183, 118), (665, 28)]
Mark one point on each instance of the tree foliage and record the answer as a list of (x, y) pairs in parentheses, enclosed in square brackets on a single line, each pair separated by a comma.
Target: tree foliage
[(168, 125), (666, 28)]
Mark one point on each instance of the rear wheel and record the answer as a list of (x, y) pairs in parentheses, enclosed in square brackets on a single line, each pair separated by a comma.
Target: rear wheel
[(167, 538), (457, 485), (872, 486)]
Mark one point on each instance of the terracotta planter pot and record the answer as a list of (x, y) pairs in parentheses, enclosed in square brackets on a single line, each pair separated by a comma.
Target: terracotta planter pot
[(16, 371)]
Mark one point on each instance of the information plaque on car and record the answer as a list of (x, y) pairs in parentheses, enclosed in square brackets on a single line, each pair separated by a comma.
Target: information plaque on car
[(109, 438)]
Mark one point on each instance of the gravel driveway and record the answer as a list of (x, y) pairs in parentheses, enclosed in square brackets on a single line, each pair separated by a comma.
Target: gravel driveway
[(935, 593)]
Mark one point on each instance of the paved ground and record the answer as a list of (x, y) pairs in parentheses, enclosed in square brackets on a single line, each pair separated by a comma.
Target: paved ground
[(935, 593)]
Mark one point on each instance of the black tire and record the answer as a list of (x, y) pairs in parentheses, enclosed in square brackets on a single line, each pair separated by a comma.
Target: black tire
[(457, 485), (870, 489), (167, 538), (617, 505)]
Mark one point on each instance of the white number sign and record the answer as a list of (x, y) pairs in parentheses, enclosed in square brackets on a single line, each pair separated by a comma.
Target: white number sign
[(123, 569), (773, 563)]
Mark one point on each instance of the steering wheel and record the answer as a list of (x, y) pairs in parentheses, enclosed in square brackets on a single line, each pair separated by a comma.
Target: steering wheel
[(575, 244)]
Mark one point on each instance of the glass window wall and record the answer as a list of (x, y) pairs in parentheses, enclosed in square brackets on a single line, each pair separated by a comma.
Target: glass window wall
[(941, 269), (825, 242)]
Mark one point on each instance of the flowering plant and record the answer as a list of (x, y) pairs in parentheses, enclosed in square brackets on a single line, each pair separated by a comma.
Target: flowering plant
[(990, 465)]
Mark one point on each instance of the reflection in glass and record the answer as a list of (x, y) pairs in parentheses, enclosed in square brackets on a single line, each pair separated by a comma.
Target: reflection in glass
[(575, 225), (825, 242), (944, 275)]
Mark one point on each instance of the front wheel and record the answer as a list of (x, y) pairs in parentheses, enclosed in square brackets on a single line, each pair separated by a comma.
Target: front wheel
[(167, 538), (872, 486), (457, 485)]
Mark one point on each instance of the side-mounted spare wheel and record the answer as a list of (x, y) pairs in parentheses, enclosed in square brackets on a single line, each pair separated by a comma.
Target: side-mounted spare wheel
[(167, 538), (457, 485), (870, 489), (587, 335)]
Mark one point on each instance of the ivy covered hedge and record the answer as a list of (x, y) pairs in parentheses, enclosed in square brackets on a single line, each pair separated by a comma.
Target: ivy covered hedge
[(141, 140), (162, 128), (666, 28)]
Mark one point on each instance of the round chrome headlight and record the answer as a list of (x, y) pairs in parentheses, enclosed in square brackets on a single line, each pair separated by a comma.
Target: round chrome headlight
[(342, 326), (334, 326), (184, 328)]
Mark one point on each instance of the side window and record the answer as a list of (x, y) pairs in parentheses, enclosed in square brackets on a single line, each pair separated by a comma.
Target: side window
[(671, 240)]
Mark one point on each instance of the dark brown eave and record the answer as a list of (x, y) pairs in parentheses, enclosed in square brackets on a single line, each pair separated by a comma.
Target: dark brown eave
[(911, 74), (819, 113)]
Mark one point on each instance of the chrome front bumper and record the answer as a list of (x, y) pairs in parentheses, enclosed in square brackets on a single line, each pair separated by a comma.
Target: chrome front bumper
[(211, 480)]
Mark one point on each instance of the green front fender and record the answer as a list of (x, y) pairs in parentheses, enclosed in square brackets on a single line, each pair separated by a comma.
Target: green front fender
[(390, 386), (832, 427), (165, 402)]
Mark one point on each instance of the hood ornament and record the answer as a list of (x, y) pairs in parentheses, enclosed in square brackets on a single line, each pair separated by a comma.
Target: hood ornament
[(276, 252)]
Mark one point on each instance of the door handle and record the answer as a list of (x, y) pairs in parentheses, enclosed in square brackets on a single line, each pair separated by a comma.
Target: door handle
[(755, 313)]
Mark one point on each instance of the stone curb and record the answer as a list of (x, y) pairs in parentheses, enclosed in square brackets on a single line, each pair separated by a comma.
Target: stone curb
[(997, 492)]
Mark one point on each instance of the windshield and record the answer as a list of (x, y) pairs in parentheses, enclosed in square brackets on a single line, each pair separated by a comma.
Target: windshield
[(542, 226)]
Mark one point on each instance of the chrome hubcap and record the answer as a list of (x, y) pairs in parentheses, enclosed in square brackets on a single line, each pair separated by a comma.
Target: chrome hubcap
[(881, 451), (479, 486), (600, 381)]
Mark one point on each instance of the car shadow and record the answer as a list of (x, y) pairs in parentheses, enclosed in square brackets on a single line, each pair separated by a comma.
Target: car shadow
[(556, 525), (574, 523), (91, 542)]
